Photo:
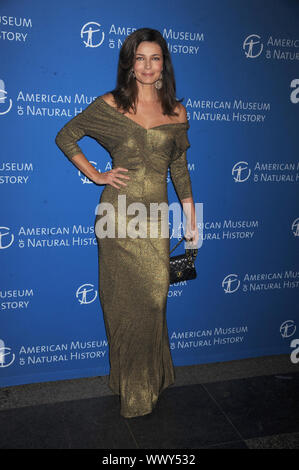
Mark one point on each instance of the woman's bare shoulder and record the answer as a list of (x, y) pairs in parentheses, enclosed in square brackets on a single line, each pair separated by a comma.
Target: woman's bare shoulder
[(180, 108), (108, 97)]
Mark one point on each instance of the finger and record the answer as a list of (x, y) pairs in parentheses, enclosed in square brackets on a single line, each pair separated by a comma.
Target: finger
[(123, 176), (115, 177), (114, 185), (120, 175), (196, 240), (119, 168), (122, 183), (119, 181)]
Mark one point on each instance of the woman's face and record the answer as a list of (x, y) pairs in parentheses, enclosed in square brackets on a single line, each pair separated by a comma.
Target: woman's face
[(148, 62)]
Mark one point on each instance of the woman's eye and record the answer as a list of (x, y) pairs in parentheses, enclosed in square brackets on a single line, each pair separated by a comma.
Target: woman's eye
[(155, 58)]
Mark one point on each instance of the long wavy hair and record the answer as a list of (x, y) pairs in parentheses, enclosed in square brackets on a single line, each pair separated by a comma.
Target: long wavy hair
[(126, 91)]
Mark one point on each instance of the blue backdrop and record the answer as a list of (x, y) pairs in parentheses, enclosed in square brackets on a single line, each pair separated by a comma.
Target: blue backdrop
[(236, 67)]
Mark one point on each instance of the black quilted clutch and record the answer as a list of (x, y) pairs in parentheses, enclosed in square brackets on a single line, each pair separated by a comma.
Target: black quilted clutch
[(182, 267)]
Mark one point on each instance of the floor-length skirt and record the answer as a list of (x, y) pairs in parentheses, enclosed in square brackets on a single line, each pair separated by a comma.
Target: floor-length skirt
[(133, 290)]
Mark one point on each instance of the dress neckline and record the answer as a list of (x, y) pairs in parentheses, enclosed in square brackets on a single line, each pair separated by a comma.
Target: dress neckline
[(186, 123)]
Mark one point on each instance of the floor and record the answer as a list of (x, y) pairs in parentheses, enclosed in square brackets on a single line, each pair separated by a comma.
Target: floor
[(250, 403)]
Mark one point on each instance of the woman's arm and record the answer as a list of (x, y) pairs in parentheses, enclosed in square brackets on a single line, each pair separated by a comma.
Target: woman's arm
[(92, 123), (191, 231), (81, 162), (182, 182), (109, 177)]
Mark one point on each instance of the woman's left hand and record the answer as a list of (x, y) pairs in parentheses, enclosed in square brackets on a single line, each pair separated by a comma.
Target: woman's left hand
[(192, 233), (191, 230)]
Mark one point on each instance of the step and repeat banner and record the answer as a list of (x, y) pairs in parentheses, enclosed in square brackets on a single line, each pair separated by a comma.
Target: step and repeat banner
[(236, 68)]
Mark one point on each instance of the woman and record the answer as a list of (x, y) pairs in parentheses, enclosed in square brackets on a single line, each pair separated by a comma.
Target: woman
[(144, 128)]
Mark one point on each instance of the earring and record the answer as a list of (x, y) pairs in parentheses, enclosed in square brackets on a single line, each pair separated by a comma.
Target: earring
[(159, 83)]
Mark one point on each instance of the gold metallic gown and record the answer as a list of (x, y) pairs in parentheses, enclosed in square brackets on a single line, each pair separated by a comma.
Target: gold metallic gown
[(134, 272)]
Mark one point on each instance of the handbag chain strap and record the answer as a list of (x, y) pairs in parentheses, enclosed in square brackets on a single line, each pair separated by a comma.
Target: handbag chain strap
[(192, 251), (176, 245)]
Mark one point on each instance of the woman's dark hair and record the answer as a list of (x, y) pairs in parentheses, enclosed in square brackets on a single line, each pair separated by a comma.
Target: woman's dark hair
[(125, 92)]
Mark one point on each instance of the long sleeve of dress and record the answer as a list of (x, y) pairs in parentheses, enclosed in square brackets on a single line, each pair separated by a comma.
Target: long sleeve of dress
[(181, 177), (90, 122), (179, 167)]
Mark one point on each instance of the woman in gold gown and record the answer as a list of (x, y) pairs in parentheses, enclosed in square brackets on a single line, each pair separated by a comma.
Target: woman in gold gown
[(144, 128)]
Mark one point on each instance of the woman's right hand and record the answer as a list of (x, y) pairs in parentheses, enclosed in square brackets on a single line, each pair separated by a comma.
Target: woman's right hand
[(112, 177)]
